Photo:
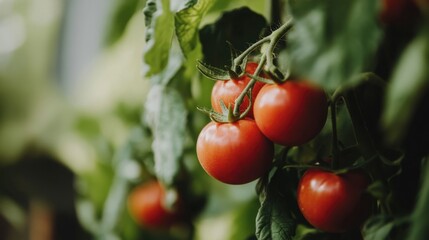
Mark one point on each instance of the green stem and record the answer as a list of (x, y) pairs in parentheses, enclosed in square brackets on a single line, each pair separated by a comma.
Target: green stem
[(335, 151), (273, 38), (307, 167), (249, 87), (267, 56), (361, 131), (253, 47)]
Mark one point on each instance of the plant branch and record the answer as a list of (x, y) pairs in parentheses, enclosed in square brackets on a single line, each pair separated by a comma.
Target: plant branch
[(267, 56)]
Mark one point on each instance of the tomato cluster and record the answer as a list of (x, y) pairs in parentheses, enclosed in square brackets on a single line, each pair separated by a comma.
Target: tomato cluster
[(289, 114)]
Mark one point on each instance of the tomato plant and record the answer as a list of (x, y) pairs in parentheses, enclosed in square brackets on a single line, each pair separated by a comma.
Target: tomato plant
[(228, 91), (146, 203), (291, 113), (334, 202), (234, 153), (369, 57)]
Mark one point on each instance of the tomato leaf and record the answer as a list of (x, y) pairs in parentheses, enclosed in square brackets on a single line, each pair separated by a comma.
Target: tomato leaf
[(187, 22), (174, 64), (419, 224), (305, 233), (159, 34), (165, 114), (239, 27), (381, 227), (332, 40), (408, 85), (275, 218), (211, 72)]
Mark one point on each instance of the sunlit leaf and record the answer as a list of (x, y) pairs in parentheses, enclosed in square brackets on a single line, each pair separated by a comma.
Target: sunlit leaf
[(159, 35), (187, 22)]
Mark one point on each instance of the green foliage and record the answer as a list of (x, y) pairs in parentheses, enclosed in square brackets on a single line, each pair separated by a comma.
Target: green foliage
[(332, 41), (239, 28), (187, 22), (409, 83), (159, 34), (378, 228), (165, 114), (419, 224), (276, 217)]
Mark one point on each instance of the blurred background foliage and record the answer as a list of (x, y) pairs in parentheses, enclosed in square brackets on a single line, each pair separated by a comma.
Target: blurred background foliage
[(71, 95)]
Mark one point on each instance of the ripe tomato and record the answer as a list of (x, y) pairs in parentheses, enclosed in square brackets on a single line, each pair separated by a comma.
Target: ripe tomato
[(146, 206), (291, 113), (234, 153), (334, 203), (229, 90)]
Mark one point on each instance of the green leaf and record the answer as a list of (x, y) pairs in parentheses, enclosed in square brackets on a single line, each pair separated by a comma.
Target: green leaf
[(409, 82), (174, 64), (165, 114), (211, 72), (333, 40), (240, 27), (305, 233), (378, 227), (276, 216), (187, 22), (419, 223), (159, 35)]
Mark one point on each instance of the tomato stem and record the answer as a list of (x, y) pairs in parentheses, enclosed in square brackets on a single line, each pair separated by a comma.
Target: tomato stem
[(248, 88), (361, 131), (307, 166), (335, 150), (267, 57)]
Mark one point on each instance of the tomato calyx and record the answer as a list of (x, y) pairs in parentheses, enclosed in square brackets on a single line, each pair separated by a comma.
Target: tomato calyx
[(227, 115), (237, 70)]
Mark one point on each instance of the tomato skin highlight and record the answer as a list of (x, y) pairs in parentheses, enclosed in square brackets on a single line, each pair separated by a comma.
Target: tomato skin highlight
[(234, 153), (291, 113), (145, 204), (229, 90), (334, 203)]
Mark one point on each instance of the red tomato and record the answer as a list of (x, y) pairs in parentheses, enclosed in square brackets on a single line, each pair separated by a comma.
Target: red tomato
[(146, 206), (334, 203), (234, 153), (229, 90), (291, 113)]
